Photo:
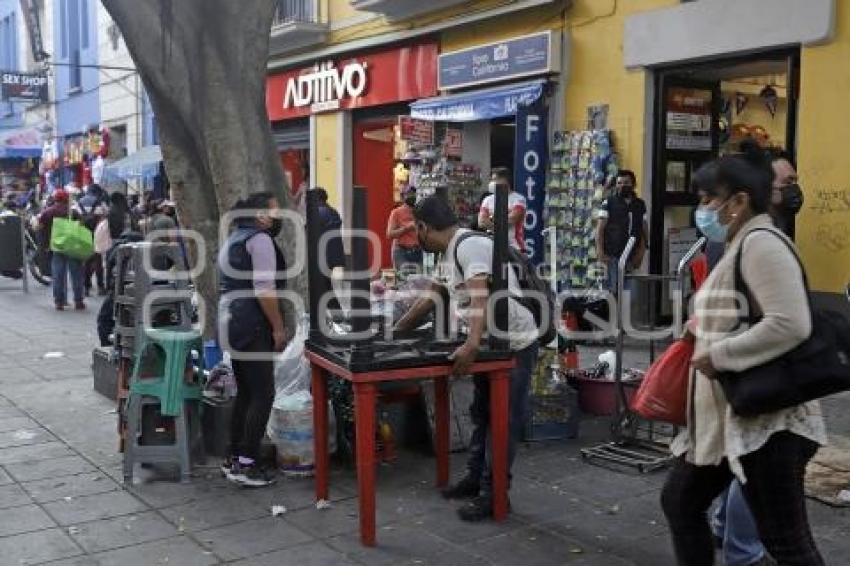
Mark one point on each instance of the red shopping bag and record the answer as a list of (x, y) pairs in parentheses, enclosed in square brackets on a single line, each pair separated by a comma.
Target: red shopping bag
[(663, 395)]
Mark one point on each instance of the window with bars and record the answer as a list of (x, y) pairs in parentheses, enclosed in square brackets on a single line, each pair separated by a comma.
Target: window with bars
[(295, 11)]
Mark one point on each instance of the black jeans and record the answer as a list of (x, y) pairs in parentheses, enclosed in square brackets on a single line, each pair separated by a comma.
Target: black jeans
[(478, 464), (774, 491), (254, 398)]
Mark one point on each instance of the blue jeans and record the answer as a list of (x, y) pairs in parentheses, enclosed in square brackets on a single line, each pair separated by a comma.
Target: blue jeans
[(61, 266), (478, 465), (734, 524), (613, 274)]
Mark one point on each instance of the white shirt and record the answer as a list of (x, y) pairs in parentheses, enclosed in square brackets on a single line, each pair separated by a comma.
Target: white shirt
[(516, 236), (475, 257)]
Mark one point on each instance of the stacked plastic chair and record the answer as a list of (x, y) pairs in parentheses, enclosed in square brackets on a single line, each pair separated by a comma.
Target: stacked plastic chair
[(158, 379)]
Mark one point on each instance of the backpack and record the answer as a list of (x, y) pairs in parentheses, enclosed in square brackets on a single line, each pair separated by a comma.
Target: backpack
[(536, 295)]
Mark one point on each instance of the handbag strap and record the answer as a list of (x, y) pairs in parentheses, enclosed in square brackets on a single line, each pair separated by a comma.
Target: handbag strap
[(741, 285)]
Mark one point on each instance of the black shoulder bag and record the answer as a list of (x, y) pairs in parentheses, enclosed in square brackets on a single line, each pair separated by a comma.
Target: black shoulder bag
[(818, 367)]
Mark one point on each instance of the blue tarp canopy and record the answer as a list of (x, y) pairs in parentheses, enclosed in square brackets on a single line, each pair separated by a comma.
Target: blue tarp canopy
[(143, 163), (484, 104)]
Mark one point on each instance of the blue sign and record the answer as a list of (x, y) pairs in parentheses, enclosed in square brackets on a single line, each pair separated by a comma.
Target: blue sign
[(519, 57), (478, 105), (530, 172)]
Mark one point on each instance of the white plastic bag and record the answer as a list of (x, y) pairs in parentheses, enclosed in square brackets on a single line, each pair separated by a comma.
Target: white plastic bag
[(290, 425)]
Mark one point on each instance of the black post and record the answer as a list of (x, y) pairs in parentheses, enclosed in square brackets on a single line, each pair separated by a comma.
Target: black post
[(317, 283), (361, 320), (500, 266)]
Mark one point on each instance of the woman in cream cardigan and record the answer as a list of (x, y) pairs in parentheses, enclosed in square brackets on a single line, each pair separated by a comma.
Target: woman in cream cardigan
[(767, 453)]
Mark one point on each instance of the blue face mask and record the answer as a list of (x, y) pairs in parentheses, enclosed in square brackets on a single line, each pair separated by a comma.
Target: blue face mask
[(708, 222)]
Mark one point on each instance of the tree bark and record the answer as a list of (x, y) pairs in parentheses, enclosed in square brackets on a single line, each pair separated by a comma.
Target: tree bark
[(203, 64)]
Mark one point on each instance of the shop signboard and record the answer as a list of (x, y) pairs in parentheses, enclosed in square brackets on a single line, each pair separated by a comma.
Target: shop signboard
[(689, 119), (23, 86), (453, 143), (418, 132), (530, 172), (524, 56), (373, 79)]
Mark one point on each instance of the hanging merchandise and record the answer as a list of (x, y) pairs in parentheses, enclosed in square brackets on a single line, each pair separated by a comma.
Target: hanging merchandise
[(583, 165), (771, 99)]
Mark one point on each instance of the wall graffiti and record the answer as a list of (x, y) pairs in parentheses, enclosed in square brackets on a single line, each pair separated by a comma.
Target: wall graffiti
[(828, 201), (834, 237)]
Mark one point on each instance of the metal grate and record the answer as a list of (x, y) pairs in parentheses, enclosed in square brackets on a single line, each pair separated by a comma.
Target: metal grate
[(296, 11)]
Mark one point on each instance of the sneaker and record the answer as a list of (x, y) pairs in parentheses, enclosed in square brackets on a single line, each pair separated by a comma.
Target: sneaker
[(60, 306), (466, 488), (249, 476), (81, 306), (479, 509)]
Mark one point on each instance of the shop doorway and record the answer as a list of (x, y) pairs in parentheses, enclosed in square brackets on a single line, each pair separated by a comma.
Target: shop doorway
[(703, 111), (373, 169)]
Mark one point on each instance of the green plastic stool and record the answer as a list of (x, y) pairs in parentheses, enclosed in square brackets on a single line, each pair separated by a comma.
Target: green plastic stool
[(169, 387), (175, 397)]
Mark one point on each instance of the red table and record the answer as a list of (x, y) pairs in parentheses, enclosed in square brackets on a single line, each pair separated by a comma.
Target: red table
[(365, 394)]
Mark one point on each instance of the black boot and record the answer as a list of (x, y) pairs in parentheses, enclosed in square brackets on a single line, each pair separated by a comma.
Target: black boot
[(467, 488)]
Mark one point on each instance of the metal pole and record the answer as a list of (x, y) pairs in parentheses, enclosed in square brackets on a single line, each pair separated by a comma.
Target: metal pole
[(621, 284), (499, 273), (24, 266)]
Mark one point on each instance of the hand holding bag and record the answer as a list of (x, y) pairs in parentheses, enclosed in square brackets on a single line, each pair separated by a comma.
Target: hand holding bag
[(663, 394), (69, 237), (818, 367)]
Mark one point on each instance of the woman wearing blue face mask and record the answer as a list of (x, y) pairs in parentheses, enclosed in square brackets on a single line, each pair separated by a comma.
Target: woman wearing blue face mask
[(767, 453)]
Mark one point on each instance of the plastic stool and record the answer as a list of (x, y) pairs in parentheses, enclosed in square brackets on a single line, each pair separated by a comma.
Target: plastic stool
[(172, 393)]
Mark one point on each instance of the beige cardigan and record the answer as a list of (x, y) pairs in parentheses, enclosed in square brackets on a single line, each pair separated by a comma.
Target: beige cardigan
[(773, 275)]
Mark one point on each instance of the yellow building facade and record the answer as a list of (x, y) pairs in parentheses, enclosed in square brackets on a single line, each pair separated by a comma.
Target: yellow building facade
[(625, 57)]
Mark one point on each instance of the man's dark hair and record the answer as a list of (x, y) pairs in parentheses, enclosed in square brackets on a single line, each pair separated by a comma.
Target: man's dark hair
[(502, 173), (628, 173), (321, 194), (435, 212)]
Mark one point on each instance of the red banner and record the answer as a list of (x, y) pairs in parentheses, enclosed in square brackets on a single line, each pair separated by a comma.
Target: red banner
[(383, 77)]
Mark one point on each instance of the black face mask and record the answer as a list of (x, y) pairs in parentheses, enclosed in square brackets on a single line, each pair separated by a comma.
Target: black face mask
[(792, 197), (627, 192), (411, 201), (275, 228)]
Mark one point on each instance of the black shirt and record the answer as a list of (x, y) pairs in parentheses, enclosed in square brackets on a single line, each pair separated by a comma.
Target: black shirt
[(625, 219)]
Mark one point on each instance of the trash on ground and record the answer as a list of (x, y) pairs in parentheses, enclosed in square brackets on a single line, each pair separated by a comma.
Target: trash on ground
[(323, 504), (53, 355), (278, 510)]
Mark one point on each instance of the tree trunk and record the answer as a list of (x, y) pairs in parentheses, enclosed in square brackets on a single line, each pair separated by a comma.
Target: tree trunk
[(203, 64)]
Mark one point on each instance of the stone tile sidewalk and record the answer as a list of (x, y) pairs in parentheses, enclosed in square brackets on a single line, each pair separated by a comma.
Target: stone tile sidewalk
[(63, 503)]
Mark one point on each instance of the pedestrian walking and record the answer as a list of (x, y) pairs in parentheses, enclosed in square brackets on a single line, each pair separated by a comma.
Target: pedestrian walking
[(62, 266), (767, 453), (251, 268)]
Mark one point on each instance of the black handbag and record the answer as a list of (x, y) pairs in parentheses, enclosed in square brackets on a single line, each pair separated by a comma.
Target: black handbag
[(818, 367)]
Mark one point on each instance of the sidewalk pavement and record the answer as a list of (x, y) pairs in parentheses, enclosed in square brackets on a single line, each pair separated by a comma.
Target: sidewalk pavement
[(63, 502)]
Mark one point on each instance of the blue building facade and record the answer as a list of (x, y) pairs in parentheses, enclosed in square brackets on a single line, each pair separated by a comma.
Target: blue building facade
[(11, 113), (75, 43)]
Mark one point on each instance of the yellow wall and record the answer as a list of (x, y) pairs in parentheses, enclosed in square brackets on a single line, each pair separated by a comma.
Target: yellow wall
[(597, 75), (326, 156), (823, 226)]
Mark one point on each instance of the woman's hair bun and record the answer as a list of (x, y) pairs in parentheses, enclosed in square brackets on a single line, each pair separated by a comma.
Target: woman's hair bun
[(754, 153)]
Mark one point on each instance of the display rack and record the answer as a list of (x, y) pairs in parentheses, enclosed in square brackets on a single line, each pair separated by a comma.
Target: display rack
[(582, 167)]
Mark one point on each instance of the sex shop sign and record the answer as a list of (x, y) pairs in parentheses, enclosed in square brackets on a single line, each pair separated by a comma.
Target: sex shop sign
[(372, 79)]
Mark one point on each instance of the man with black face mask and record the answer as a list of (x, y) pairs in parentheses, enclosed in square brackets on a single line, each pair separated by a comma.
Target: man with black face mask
[(401, 230), (787, 197), (621, 216), (251, 268)]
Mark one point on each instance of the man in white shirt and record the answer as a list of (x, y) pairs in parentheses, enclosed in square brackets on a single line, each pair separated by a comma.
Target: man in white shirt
[(468, 263), (516, 209)]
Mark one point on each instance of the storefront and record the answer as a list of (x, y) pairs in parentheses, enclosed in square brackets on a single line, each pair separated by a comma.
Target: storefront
[(480, 126), (336, 123)]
